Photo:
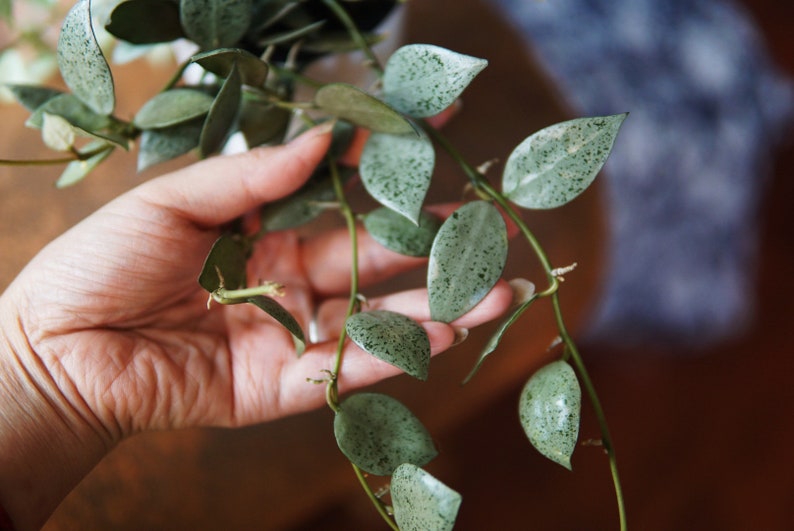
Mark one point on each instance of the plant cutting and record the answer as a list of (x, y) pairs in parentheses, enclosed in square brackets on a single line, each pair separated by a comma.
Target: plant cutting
[(251, 57)]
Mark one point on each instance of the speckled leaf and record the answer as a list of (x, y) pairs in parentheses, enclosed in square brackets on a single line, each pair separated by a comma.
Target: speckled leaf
[(395, 232), (225, 264), (215, 23), (378, 434), (393, 338), (466, 260), (32, 96), (550, 409), (76, 171), (556, 164), (172, 107), (396, 170), (80, 60), (421, 502), (280, 314), (422, 80), (160, 145), (146, 21), (253, 71), (353, 104), (299, 208), (222, 114)]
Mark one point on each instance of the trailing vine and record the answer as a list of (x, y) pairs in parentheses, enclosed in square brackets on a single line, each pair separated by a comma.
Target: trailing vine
[(252, 54)]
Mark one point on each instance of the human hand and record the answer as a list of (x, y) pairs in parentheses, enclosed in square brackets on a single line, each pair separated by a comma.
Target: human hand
[(108, 327)]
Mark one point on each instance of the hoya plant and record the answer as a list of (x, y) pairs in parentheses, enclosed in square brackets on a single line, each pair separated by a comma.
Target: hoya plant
[(252, 57)]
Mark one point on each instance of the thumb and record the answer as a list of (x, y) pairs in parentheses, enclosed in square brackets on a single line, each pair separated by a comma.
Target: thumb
[(217, 190)]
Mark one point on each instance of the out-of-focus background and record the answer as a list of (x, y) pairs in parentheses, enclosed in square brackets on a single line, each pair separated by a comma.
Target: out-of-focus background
[(699, 401)]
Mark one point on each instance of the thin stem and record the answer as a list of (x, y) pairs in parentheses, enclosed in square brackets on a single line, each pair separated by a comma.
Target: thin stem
[(374, 499), (481, 184), (37, 162), (355, 33)]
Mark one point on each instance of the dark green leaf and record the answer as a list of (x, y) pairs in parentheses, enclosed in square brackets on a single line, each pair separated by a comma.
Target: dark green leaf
[(422, 80), (173, 107), (421, 502), (225, 264), (215, 23), (556, 164), (222, 115), (253, 71), (299, 208), (76, 171), (354, 105), (80, 60), (377, 433), (146, 21), (261, 122), (467, 258), (280, 314), (397, 169), (524, 302), (393, 338), (160, 145), (550, 409), (394, 231), (32, 96)]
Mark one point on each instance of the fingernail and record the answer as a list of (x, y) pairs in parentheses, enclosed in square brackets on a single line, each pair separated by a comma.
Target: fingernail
[(318, 130), (460, 335)]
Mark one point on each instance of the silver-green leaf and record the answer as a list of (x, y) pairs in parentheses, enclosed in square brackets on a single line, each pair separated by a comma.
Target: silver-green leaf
[(421, 502), (556, 164), (396, 170), (378, 433), (550, 410), (253, 71), (222, 114), (353, 104), (83, 67), (396, 233), (172, 107), (422, 80), (393, 338), (215, 23), (77, 170), (160, 145), (466, 260)]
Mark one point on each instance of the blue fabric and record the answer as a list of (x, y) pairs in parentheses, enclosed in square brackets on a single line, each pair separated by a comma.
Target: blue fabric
[(686, 175)]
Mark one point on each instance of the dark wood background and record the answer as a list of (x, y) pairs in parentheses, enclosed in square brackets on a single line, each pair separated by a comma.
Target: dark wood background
[(703, 438)]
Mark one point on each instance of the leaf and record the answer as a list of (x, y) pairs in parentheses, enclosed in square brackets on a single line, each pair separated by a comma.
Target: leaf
[(253, 71), (396, 171), (377, 433), (146, 21), (354, 105), (160, 145), (172, 107), (422, 80), (82, 65), (215, 23), (393, 338), (299, 208), (421, 502), (395, 232), (556, 164), (280, 314), (32, 96), (57, 133), (85, 121), (527, 295), (77, 170), (225, 264), (222, 114), (467, 258), (261, 123), (550, 409)]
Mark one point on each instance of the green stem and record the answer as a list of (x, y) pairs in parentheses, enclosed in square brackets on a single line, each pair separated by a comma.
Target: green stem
[(355, 33), (76, 156), (375, 501), (481, 184)]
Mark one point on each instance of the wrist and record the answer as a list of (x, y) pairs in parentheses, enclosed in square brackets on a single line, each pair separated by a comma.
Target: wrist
[(46, 446)]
